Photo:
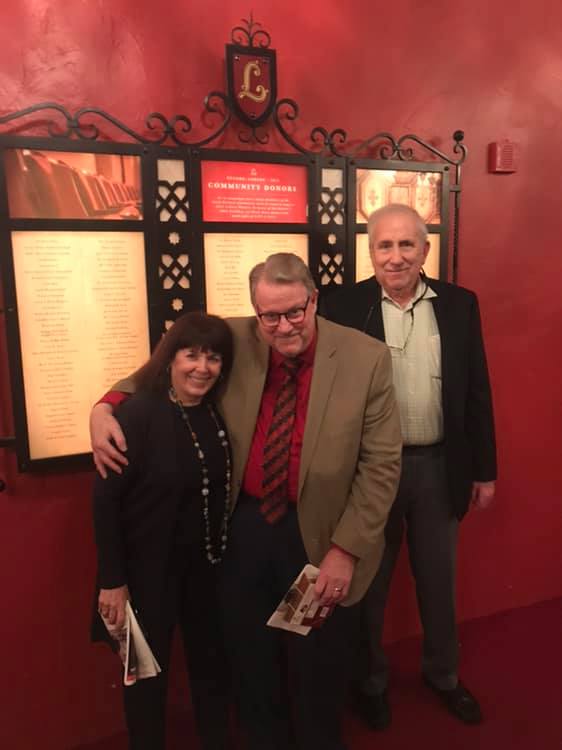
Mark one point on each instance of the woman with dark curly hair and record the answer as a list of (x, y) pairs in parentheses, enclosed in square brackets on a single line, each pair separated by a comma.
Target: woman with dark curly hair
[(161, 526)]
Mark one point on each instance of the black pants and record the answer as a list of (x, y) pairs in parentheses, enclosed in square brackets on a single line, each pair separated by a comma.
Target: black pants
[(261, 562), (191, 602), (421, 508)]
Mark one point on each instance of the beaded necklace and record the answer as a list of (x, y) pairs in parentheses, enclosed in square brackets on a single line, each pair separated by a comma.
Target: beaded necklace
[(205, 481)]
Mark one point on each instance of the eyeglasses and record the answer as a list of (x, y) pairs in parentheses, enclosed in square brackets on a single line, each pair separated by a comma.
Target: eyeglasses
[(295, 315), (402, 348)]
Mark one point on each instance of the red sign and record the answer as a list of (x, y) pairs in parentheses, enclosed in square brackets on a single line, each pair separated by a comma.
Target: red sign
[(252, 82), (250, 192)]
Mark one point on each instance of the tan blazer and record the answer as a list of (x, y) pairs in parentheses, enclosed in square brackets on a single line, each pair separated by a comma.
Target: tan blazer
[(350, 460)]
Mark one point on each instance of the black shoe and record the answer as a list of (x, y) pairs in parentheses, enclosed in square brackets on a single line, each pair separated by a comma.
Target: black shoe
[(374, 710), (458, 701)]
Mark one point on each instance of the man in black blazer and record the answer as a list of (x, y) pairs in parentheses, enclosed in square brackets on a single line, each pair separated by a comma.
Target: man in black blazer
[(449, 459)]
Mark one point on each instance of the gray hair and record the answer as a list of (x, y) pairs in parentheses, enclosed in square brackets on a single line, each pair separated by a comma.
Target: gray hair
[(391, 210), (281, 268)]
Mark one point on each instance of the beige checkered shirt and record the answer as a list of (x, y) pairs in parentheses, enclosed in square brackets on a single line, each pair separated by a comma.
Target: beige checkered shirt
[(412, 335)]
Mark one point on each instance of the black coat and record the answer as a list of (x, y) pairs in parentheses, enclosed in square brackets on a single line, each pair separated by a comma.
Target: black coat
[(468, 420), (136, 513)]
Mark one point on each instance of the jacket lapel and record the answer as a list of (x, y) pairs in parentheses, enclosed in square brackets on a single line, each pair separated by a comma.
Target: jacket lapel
[(240, 402), (255, 372), (444, 320), (375, 326), (324, 372)]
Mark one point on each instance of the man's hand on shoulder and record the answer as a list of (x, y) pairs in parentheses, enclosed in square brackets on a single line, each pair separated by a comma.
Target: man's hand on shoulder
[(107, 439), (482, 494)]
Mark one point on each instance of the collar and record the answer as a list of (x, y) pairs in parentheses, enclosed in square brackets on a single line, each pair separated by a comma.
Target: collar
[(423, 290)]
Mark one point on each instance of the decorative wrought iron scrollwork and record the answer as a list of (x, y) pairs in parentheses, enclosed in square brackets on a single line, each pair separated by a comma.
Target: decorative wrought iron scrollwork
[(168, 128), (382, 145), (212, 107), (90, 131), (163, 129), (288, 109), (45, 106), (5, 119), (160, 130), (458, 148), (329, 141), (332, 141), (247, 37), (74, 124), (385, 146), (175, 129), (259, 135)]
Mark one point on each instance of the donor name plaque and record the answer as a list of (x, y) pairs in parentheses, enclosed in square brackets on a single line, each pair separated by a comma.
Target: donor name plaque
[(229, 259), (83, 323)]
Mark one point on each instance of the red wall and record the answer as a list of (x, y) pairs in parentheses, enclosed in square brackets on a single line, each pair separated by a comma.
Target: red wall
[(493, 70)]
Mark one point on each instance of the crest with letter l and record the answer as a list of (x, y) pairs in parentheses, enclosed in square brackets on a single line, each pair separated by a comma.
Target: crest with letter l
[(252, 82)]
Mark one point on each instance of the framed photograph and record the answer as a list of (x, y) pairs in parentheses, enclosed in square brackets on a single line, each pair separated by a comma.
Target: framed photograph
[(421, 190), (43, 184)]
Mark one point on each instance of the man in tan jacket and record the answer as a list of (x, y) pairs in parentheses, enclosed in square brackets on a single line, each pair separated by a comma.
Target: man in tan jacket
[(316, 444)]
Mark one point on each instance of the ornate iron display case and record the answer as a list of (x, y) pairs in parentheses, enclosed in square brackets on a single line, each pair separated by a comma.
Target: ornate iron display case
[(91, 178)]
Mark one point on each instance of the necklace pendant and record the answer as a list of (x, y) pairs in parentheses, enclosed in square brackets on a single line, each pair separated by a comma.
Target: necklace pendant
[(205, 482)]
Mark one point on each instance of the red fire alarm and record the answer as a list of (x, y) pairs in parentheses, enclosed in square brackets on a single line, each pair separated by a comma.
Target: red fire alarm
[(502, 156)]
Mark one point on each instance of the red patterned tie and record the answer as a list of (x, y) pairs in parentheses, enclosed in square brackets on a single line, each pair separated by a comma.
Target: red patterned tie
[(275, 488)]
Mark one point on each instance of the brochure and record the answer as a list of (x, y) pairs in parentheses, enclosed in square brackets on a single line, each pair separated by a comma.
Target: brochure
[(299, 611), (136, 655)]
